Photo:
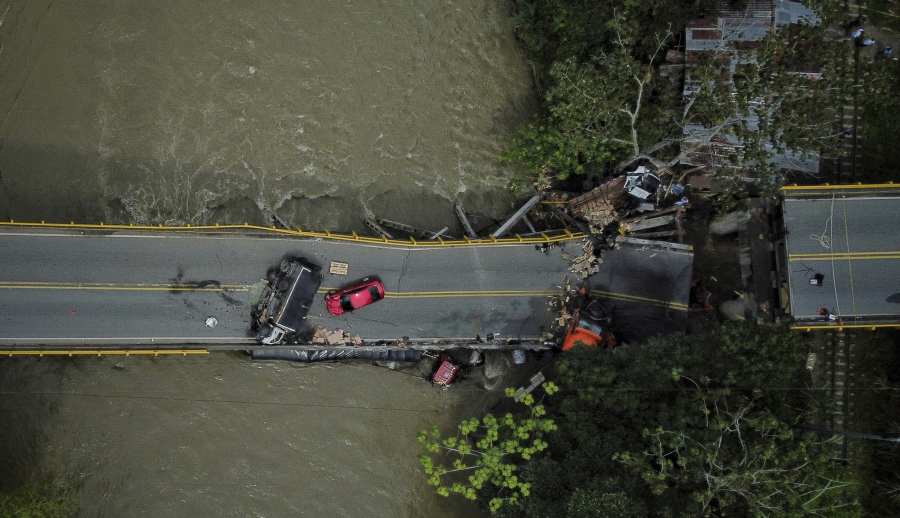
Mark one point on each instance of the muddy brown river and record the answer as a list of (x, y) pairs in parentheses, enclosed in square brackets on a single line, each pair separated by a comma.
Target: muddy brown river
[(200, 112), (224, 436)]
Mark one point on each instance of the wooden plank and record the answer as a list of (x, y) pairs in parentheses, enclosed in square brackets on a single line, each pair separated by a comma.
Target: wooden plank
[(666, 233), (338, 268), (652, 214)]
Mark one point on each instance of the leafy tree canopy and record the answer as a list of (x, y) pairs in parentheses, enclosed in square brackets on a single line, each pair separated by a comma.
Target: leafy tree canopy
[(685, 426), (606, 100)]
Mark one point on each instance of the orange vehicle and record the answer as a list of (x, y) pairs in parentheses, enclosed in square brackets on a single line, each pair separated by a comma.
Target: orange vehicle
[(589, 331)]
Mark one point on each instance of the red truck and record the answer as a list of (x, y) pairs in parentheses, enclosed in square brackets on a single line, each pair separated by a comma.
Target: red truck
[(588, 330)]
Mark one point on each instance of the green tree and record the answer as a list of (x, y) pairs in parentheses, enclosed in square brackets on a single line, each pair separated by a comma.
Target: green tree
[(773, 103), (879, 138), (486, 449), (738, 455), (596, 113), (784, 97), (721, 406), (39, 501)]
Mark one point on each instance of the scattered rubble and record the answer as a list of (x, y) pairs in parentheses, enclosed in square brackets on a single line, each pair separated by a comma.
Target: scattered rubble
[(322, 336), (588, 263)]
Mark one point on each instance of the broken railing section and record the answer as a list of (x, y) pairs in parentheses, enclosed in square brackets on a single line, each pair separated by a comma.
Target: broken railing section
[(518, 216), (461, 214), (409, 229), (645, 202)]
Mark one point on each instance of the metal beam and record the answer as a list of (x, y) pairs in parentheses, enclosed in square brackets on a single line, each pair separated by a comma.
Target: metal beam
[(409, 229), (504, 228), (377, 228), (465, 222)]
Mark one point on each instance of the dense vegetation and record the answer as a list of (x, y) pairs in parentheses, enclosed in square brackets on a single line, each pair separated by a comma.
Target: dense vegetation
[(880, 111), (607, 99), (716, 423), (876, 464), (40, 500), (708, 425)]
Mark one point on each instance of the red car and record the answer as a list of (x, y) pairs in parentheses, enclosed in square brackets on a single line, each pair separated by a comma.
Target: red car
[(354, 297)]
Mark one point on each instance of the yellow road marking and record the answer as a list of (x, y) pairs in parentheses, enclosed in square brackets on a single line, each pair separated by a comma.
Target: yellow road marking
[(388, 294), (96, 352), (844, 256), (634, 298), (839, 187), (443, 294), (9, 285)]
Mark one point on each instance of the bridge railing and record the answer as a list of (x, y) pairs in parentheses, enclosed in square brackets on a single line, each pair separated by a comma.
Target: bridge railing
[(541, 238)]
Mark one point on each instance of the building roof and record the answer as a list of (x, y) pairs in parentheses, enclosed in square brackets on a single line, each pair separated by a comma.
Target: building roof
[(848, 236), (736, 31)]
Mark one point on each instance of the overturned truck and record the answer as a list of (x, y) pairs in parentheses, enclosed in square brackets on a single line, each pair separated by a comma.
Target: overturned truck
[(281, 312)]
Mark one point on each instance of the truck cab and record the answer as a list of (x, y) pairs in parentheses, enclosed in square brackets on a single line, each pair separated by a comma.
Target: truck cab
[(286, 301), (588, 330)]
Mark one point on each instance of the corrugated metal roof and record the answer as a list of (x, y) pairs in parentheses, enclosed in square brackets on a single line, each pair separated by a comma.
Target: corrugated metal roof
[(739, 28), (787, 12)]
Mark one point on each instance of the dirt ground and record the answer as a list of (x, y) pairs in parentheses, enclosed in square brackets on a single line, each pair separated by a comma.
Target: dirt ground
[(716, 258)]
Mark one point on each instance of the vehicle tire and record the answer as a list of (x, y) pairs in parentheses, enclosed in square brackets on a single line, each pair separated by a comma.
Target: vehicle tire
[(284, 266), (272, 275), (255, 313), (282, 285)]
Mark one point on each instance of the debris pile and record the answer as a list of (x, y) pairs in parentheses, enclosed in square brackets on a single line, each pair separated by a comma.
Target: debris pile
[(631, 204), (322, 336), (588, 263), (599, 207)]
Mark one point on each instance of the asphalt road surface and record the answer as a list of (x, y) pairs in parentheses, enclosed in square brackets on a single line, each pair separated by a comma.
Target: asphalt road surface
[(60, 287), (853, 242), (127, 288)]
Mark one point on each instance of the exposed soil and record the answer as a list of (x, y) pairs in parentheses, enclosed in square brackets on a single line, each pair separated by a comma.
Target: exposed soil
[(716, 258)]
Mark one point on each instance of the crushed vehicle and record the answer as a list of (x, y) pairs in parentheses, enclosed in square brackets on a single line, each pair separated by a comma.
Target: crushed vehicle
[(446, 371), (641, 183), (589, 329), (281, 312)]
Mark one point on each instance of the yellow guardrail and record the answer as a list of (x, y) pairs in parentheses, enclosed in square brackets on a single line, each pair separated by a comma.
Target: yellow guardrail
[(101, 352), (843, 326), (828, 186), (353, 236)]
